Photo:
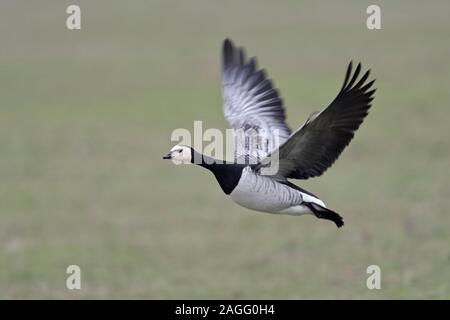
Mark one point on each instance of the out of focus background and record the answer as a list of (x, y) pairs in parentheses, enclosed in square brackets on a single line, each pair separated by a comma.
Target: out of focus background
[(86, 115)]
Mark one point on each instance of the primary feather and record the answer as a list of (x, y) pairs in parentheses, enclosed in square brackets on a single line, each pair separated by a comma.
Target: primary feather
[(316, 145), (252, 105)]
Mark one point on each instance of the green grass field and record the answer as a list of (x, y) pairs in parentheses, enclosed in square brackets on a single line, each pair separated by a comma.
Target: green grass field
[(86, 115)]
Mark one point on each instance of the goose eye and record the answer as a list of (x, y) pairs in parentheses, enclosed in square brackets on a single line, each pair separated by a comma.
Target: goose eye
[(180, 150)]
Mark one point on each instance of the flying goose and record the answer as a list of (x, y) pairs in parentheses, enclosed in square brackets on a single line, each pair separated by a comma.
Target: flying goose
[(253, 104)]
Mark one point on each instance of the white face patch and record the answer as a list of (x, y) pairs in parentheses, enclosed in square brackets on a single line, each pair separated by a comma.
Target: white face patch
[(181, 154)]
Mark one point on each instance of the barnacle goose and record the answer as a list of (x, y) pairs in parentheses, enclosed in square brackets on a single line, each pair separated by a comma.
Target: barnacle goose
[(252, 104)]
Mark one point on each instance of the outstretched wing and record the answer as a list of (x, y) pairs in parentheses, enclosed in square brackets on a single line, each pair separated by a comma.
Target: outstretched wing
[(315, 146), (252, 106)]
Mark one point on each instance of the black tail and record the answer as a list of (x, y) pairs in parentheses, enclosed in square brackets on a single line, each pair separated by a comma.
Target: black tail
[(324, 213)]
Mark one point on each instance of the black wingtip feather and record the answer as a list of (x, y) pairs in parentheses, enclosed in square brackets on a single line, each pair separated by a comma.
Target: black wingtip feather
[(347, 74), (227, 52), (367, 86), (227, 43), (241, 60), (355, 76), (363, 79)]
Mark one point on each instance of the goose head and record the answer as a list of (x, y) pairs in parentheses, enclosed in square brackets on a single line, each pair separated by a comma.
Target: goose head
[(179, 154)]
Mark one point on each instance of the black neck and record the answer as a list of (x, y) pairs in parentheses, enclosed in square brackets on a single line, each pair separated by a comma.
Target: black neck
[(226, 173)]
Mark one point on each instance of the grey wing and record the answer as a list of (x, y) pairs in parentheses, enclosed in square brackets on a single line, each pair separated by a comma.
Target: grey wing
[(252, 106), (315, 146)]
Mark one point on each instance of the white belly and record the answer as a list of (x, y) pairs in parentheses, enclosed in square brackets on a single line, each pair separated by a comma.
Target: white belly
[(265, 194)]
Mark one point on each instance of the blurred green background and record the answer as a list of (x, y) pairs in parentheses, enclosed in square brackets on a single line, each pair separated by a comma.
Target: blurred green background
[(86, 115)]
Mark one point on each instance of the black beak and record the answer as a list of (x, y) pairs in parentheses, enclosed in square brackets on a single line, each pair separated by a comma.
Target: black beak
[(168, 156)]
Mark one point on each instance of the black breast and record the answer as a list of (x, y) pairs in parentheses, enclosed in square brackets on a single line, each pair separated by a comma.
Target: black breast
[(227, 175)]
